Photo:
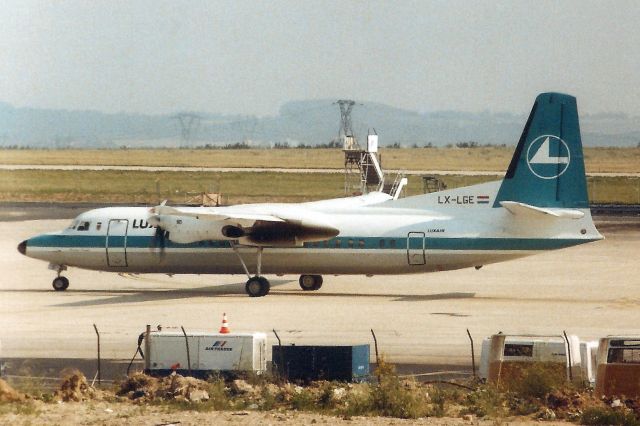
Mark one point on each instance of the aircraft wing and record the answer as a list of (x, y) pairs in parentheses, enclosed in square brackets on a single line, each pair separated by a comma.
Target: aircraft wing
[(526, 210), (241, 218), (284, 227)]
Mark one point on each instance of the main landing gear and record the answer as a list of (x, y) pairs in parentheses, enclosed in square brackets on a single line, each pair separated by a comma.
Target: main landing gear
[(257, 286), (59, 283), (310, 282)]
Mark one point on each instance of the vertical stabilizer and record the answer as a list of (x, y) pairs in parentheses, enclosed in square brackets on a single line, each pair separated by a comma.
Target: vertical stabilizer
[(547, 169)]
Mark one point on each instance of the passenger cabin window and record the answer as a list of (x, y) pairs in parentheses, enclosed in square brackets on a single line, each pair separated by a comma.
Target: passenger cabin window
[(513, 349), (350, 243), (83, 226), (361, 244), (337, 243), (392, 243), (381, 243)]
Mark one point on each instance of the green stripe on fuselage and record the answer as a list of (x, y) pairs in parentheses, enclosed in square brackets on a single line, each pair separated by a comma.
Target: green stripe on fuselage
[(363, 243)]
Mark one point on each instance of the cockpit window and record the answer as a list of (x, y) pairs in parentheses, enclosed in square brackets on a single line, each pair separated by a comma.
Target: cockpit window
[(83, 226), (73, 225)]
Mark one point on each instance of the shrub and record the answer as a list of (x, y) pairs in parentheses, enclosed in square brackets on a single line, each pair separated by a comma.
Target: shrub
[(393, 398), (608, 416), (359, 402), (487, 401), (303, 401), (537, 380)]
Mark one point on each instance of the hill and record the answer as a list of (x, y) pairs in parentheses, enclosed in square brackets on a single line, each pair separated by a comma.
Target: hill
[(299, 122)]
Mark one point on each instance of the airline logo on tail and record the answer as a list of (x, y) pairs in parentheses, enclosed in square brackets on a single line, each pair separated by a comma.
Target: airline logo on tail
[(548, 157)]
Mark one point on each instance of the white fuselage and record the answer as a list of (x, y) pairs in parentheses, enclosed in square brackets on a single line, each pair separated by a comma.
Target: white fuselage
[(445, 231)]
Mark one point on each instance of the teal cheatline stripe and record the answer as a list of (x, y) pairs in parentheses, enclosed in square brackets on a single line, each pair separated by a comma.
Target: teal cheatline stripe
[(97, 241), (363, 243)]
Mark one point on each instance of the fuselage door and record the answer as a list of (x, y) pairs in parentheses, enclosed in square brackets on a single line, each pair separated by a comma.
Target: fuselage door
[(117, 242), (415, 248)]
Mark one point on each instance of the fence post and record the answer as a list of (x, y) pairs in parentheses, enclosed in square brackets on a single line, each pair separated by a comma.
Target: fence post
[(99, 369), (473, 355), (281, 366), (186, 341), (147, 350), (566, 339)]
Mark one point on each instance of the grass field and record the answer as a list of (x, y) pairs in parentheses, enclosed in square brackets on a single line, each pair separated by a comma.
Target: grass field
[(238, 187), (621, 160)]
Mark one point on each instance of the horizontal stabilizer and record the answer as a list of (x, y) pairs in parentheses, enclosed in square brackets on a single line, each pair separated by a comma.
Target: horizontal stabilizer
[(522, 209)]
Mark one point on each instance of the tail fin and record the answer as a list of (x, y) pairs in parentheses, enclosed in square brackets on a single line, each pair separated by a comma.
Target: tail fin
[(547, 168)]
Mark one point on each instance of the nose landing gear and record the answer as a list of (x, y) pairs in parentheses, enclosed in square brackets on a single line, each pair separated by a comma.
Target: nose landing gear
[(59, 283)]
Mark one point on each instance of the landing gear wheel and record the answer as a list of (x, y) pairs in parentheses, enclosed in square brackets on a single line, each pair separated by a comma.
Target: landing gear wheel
[(257, 287), (60, 283), (310, 282)]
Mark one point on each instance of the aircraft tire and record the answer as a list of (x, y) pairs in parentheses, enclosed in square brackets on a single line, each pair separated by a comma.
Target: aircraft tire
[(310, 282), (318, 284), (257, 287), (60, 283)]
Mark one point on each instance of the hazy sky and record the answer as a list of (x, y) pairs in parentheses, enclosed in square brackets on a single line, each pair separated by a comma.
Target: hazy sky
[(253, 56)]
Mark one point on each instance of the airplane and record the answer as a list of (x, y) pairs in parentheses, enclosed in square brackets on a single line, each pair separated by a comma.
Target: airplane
[(541, 204)]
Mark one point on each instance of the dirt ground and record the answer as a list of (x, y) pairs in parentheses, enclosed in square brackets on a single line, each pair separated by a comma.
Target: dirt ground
[(104, 413)]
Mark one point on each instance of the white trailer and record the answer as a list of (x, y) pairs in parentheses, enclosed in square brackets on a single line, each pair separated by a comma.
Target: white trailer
[(500, 353), (166, 351), (589, 360)]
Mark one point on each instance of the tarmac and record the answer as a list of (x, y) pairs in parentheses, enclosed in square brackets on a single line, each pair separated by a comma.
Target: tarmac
[(78, 167), (589, 290)]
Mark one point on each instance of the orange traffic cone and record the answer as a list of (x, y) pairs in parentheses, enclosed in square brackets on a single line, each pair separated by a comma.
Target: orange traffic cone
[(225, 325)]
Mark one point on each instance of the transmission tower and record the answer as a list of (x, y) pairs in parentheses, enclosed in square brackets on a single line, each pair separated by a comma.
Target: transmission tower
[(189, 123), (346, 106)]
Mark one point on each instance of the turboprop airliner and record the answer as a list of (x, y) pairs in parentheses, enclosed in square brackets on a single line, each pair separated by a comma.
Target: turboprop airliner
[(541, 204)]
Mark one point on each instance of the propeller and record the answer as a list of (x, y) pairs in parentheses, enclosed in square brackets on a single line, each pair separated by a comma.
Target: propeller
[(159, 239)]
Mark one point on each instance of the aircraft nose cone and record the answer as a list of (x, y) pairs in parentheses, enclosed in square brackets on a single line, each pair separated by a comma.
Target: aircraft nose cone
[(22, 247)]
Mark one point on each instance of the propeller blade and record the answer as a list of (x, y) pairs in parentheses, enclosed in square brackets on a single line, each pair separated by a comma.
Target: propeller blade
[(159, 240)]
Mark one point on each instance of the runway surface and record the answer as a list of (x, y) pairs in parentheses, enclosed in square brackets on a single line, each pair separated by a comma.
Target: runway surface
[(269, 169), (591, 290)]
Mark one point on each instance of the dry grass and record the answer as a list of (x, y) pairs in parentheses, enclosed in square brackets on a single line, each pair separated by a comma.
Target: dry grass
[(142, 187), (236, 187), (621, 160)]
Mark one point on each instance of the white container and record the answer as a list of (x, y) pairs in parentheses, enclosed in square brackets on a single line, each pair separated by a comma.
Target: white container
[(589, 358), (167, 351), (618, 371), (502, 350)]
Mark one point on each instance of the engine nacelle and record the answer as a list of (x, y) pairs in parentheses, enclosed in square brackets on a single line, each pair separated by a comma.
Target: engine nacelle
[(185, 229)]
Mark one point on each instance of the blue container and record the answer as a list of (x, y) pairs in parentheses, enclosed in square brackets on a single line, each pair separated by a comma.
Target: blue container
[(308, 363)]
